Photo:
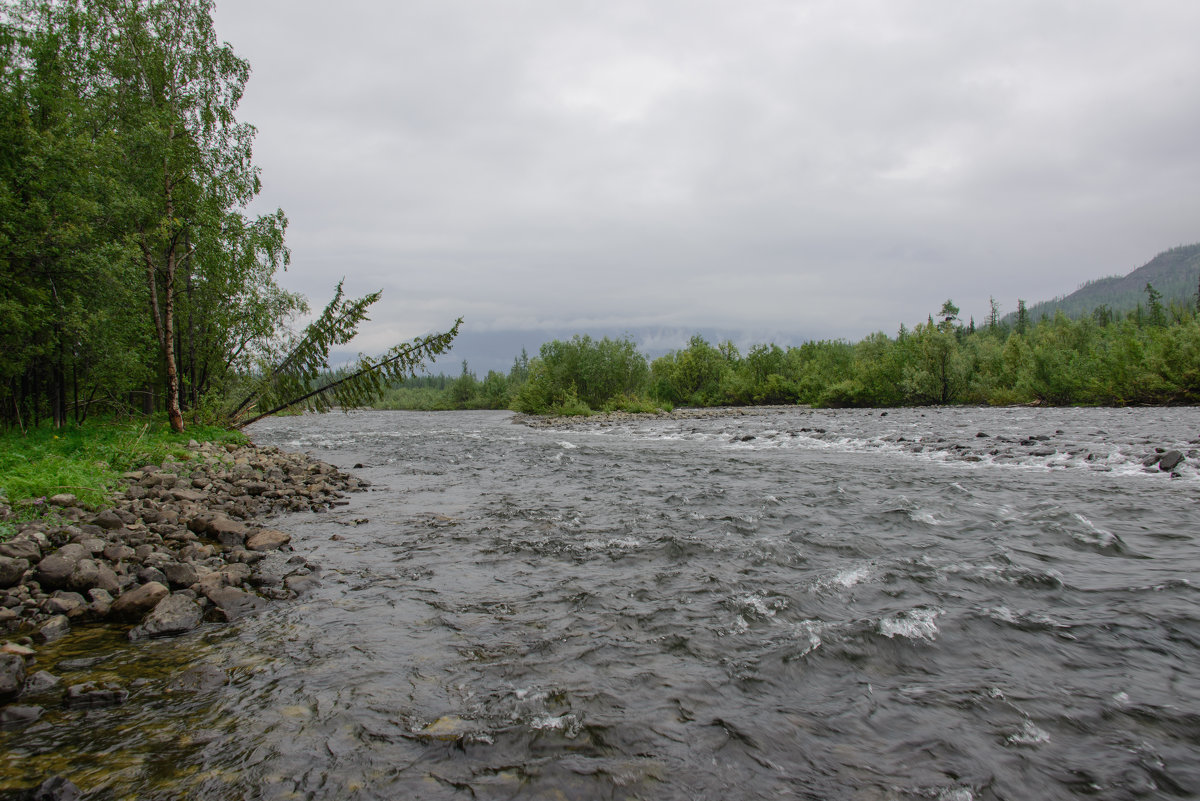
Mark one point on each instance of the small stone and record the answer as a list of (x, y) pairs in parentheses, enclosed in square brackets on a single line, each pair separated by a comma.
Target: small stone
[(57, 788), (62, 499), (21, 548), (199, 677), (23, 651), (41, 682), (229, 533)]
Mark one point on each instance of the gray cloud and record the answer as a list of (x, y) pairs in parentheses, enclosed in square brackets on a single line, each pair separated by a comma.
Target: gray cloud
[(817, 169)]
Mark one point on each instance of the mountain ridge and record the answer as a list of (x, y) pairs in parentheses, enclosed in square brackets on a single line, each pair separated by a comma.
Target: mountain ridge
[(1175, 273)]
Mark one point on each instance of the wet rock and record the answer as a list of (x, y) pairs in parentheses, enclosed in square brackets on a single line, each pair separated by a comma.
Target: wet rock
[(447, 728), (12, 675), (175, 614), (53, 629), (92, 693), (41, 683), (137, 602), (12, 571), (268, 539), (1169, 461), (199, 677), (301, 584), (1152, 460), (18, 717), (233, 602)]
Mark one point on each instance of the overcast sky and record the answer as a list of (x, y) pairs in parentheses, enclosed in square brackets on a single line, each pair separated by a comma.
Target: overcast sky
[(790, 169)]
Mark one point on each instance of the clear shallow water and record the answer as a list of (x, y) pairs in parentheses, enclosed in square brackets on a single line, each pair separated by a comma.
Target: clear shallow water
[(779, 604)]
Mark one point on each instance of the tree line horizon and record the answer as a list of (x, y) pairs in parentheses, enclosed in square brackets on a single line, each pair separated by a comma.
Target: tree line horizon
[(1149, 355)]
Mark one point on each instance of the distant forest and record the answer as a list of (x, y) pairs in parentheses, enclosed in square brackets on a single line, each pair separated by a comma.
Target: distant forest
[(1175, 274), (1150, 355)]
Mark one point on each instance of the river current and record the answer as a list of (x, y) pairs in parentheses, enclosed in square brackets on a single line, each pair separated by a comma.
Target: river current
[(951, 604)]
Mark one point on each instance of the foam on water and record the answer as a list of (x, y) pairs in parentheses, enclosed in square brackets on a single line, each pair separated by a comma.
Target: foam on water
[(913, 624)]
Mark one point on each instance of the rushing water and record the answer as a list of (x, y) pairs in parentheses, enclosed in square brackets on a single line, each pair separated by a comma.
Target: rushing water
[(777, 604)]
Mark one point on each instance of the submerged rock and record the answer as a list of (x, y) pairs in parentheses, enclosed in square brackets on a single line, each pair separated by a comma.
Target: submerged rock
[(18, 716), (12, 675), (92, 693)]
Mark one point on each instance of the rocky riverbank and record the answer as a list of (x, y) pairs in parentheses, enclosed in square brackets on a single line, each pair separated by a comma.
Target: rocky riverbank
[(185, 542)]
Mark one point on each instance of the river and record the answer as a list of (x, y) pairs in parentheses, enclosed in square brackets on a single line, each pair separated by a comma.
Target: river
[(953, 604)]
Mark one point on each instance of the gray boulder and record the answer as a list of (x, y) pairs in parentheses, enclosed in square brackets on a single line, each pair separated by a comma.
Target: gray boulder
[(180, 574), (174, 614), (233, 602), (21, 547), (11, 571), (137, 602), (54, 572), (12, 675), (53, 629), (268, 539), (1169, 461), (17, 717)]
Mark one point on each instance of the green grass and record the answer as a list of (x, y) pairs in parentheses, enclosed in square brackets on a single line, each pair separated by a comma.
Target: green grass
[(86, 461)]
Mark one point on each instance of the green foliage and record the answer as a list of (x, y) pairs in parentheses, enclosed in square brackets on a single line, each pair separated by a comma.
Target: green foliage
[(581, 375), (302, 378), (123, 185)]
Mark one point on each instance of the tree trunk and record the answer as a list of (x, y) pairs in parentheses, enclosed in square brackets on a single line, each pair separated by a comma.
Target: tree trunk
[(174, 415)]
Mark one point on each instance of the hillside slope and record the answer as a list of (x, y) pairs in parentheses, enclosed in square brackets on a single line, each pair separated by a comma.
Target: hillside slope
[(1175, 273)]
